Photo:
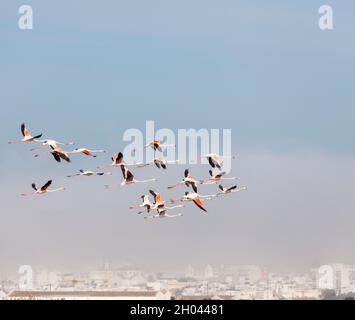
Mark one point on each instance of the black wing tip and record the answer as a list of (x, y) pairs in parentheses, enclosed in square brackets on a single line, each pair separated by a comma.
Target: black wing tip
[(202, 208), (23, 128), (56, 157)]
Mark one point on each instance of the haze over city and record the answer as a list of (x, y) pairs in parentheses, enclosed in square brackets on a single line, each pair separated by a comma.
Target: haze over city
[(264, 70)]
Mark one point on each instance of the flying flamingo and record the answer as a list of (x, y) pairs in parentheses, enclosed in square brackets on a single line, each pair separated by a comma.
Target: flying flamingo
[(145, 204), (157, 198), (162, 162), (193, 196), (58, 153), (188, 181), (51, 143), (215, 177), (117, 161), (162, 214), (89, 173), (27, 137), (159, 204), (87, 151), (156, 145), (128, 177), (185, 198), (215, 160), (230, 189), (43, 189)]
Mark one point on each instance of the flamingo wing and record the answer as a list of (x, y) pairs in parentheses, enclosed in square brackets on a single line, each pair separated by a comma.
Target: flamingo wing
[(24, 130), (231, 188), (156, 195), (186, 173), (34, 186), (156, 145), (199, 203), (45, 187), (211, 162), (193, 185), (176, 185), (124, 171), (157, 163), (157, 198), (215, 161), (129, 175), (64, 157), (119, 158), (87, 152), (56, 156)]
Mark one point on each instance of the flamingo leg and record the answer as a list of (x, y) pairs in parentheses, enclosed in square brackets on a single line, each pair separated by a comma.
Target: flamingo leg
[(15, 141), (28, 194), (36, 147), (42, 154), (55, 190), (174, 207), (144, 181), (176, 185)]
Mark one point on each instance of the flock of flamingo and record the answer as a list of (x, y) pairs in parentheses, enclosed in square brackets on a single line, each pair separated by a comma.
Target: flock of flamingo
[(146, 206)]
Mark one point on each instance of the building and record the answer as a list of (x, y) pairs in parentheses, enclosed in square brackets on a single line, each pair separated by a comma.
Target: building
[(338, 277), (88, 295), (2, 295)]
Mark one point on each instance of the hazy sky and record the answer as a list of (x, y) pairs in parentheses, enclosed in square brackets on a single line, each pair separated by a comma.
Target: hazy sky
[(89, 71)]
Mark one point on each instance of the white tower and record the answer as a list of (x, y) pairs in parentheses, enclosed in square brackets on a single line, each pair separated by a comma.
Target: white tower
[(326, 278)]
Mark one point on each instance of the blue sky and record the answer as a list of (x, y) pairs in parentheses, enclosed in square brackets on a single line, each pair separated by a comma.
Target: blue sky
[(89, 71), (263, 69)]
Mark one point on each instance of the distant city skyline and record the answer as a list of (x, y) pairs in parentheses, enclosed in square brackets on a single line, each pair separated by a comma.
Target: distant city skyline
[(232, 282), (87, 72)]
